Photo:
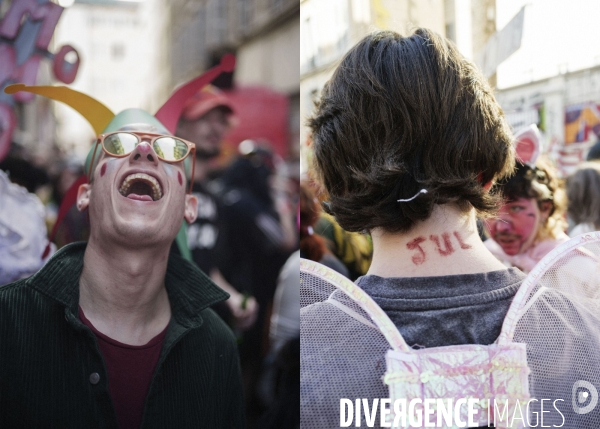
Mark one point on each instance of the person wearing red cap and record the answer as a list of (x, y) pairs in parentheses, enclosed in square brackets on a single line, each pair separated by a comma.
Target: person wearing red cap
[(205, 119)]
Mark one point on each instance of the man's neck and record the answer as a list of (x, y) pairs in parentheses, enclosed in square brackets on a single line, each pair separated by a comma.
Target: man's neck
[(122, 292), (445, 244)]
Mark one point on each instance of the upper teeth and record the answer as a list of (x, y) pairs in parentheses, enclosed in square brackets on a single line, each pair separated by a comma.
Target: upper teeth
[(129, 180)]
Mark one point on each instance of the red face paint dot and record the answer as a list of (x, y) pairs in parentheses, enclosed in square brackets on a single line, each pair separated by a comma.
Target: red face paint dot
[(102, 170), (179, 178)]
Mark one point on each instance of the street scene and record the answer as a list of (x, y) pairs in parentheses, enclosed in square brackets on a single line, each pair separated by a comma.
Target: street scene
[(299, 214)]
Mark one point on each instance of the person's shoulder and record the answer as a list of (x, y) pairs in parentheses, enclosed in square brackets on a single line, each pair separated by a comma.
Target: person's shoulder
[(21, 303), (16, 290), (10, 290), (217, 329)]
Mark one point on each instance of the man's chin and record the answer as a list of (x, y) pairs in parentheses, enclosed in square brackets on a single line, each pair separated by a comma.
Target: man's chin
[(509, 248)]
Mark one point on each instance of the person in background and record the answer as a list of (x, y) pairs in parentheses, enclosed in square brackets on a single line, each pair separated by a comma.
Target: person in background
[(279, 384), (530, 223), (312, 246), (594, 152), (75, 226), (353, 249), (206, 118), (257, 235), (23, 234), (583, 193), (22, 172)]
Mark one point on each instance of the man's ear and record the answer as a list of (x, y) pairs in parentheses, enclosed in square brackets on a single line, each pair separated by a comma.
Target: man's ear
[(488, 186), (83, 196), (191, 208)]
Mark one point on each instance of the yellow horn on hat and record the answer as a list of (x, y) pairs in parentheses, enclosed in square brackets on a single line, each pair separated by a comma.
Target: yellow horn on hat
[(96, 113)]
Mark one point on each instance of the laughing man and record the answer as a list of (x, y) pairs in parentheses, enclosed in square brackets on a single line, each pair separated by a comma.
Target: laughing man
[(118, 333)]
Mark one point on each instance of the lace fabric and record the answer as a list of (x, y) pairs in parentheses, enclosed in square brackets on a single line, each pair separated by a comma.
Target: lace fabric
[(550, 342)]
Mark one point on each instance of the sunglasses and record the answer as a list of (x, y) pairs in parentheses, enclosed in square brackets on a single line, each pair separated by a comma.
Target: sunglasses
[(168, 148)]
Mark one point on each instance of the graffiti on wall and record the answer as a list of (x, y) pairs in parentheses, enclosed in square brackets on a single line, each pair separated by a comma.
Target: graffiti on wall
[(25, 33), (582, 123)]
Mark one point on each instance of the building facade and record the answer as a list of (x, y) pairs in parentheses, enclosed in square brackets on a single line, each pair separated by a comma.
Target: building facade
[(263, 34), (566, 108)]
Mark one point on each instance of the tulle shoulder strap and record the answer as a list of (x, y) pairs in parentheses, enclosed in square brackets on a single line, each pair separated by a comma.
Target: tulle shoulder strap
[(583, 246), (384, 324)]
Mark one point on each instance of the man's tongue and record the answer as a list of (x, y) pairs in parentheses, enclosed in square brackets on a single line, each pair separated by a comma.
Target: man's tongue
[(139, 197)]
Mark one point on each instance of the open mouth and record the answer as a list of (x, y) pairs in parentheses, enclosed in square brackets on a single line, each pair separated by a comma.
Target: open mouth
[(142, 187)]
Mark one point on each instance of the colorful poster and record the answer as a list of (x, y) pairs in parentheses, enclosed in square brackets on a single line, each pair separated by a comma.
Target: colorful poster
[(25, 33), (582, 123)]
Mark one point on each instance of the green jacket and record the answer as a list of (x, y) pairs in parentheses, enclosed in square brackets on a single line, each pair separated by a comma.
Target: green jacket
[(48, 356)]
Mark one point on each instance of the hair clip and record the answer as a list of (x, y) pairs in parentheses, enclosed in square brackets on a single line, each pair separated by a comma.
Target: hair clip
[(422, 191)]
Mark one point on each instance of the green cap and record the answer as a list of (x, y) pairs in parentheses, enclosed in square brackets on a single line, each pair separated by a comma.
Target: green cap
[(127, 121)]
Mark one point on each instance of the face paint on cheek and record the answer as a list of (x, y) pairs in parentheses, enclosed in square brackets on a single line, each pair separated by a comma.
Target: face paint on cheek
[(170, 170), (520, 230), (107, 166)]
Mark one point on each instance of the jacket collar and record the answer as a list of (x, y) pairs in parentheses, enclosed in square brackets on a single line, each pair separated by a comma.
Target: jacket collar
[(190, 290)]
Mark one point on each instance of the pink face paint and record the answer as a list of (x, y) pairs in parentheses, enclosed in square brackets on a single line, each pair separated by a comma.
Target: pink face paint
[(517, 225), (103, 170), (143, 147), (419, 258), (448, 249), (179, 178)]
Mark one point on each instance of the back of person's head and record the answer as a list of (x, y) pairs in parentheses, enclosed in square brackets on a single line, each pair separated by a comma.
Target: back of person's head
[(594, 152), (401, 114), (311, 245), (250, 175), (541, 183), (583, 192)]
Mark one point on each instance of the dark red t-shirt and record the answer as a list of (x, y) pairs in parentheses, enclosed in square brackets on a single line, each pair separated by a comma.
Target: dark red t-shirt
[(130, 370)]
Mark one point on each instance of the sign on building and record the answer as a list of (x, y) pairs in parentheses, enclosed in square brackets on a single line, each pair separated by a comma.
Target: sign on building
[(502, 45), (25, 33)]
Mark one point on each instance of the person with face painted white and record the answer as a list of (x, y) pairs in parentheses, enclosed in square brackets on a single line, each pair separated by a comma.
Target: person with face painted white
[(530, 223), (117, 332)]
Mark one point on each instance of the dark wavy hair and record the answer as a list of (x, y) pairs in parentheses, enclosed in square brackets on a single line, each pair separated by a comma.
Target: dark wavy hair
[(401, 114), (583, 191)]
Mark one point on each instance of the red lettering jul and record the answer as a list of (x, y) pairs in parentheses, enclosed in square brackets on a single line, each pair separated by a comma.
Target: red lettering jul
[(419, 258), (448, 249), (443, 245), (462, 244)]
